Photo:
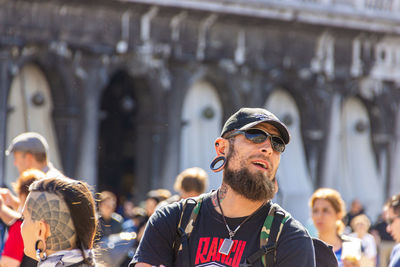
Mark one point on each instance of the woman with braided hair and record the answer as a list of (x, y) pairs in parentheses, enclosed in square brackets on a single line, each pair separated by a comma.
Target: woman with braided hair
[(59, 223)]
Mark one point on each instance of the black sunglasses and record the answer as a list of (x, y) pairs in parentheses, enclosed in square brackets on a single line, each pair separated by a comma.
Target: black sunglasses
[(258, 136), (389, 221)]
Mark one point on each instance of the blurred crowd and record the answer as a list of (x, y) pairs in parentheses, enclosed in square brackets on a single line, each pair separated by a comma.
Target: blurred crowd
[(371, 244), (121, 227), (121, 221)]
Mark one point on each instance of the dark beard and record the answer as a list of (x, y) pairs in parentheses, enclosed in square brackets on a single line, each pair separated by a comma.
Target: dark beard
[(253, 186), (249, 185)]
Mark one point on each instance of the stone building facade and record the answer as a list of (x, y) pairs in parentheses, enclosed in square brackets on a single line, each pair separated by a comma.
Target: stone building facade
[(131, 92)]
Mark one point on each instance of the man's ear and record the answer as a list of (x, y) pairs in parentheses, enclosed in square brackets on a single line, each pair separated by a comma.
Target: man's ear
[(221, 146)]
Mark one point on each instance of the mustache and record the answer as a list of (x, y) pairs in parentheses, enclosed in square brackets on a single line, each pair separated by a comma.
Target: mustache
[(262, 157)]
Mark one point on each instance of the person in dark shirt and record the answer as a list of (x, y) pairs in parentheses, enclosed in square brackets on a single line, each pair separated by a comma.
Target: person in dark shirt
[(109, 221), (356, 209), (393, 227), (383, 239), (229, 221)]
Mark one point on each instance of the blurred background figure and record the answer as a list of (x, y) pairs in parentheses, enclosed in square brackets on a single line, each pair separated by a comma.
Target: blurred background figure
[(356, 209), (118, 240), (393, 227), (327, 211), (59, 223), (383, 239), (361, 225), (127, 205), (13, 253), (30, 150), (137, 221), (191, 182), (109, 221), (153, 198)]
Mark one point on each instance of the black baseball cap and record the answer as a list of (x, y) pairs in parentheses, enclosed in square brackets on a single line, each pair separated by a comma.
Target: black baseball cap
[(247, 118), (28, 142)]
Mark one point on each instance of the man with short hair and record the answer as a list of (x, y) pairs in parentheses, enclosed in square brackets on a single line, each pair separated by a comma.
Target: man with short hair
[(30, 151), (191, 182), (393, 227), (229, 221)]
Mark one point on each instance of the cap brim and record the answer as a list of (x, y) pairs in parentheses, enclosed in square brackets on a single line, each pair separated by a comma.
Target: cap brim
[(281, 128), (9, 150)]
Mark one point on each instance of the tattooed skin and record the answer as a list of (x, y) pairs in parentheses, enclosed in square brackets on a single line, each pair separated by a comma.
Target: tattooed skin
[(221, 194), (54, 211), (214, 199)]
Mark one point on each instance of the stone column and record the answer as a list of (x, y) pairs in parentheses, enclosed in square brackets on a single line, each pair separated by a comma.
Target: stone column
[(94, 78), (4, 87)]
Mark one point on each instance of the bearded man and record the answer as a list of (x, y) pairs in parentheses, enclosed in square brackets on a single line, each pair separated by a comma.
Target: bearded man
[(229, 221)]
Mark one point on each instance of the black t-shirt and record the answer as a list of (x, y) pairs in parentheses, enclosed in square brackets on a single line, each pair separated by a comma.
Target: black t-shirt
[(381, 228), (110, 226), (294, 248)]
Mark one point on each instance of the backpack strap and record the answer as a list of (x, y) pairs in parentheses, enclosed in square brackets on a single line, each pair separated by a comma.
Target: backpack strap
[(269, 236), (191, 206)]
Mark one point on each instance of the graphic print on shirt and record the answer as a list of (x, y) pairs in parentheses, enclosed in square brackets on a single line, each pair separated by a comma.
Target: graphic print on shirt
[(207, 254)]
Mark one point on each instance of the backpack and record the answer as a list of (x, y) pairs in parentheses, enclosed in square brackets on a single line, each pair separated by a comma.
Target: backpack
[(269, 235)]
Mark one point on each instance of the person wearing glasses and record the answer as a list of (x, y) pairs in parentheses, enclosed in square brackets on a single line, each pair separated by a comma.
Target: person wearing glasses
[(393, 227), (230, 219)]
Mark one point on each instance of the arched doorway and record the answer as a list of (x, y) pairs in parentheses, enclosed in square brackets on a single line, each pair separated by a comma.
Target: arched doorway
[(201, 117), (295, 186), (30, 109), (117, 136), (350, 165)]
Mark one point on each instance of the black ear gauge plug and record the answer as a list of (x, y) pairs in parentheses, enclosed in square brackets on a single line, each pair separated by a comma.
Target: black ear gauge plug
[(216, 144)]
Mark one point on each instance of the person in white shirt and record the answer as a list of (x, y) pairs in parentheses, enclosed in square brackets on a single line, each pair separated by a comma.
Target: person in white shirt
[(361, 225)]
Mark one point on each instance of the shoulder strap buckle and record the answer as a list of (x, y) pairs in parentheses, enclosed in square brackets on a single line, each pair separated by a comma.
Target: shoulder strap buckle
[(268, 249)]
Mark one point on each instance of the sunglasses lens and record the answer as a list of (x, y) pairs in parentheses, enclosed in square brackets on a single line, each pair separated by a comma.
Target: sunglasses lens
[(278, 144), (258, 137)]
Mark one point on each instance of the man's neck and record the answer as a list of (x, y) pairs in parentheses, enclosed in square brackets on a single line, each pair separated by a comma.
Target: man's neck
[(233, 204)]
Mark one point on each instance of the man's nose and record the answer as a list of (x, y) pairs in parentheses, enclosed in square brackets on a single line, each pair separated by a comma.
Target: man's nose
[(266, 147)]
